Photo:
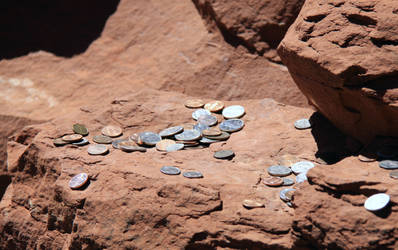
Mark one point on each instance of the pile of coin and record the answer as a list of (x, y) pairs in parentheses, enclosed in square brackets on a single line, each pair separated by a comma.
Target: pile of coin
[(80, 131)]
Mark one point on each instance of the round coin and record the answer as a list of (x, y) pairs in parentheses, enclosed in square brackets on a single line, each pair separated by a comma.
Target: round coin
[(208, 120), (59, 142), (273, 181), (287, 194), (80, 129), (279, 170), (302, 167), (224, 154), (366, 159), (214, 106), (302, 124), (112, 131), (249, 204), (115, 143), (224, 136), (207, 140), (72, 138), (199, 112), (232, 125), (174, 147), (211, 132), (171, 131), (129, 146), (388, 164), (188, 126), (78, 181), (234, 111), (170, 170), (394, 174), (97, 149), (377, 202), (162, 145), (149, 138), (192, 174), (194, 103), (287, 182), (200, 127), (134, 137), (188, 135), (82, 142), (102, 139), (302, 177)]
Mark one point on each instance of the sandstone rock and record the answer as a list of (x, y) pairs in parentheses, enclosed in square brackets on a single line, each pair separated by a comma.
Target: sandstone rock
[(343, 56)]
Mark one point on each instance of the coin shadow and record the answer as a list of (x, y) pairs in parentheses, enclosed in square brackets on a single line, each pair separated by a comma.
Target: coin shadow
[(385, 212), (85, 186)]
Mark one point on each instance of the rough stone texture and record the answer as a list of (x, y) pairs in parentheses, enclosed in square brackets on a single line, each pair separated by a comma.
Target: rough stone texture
[(343, 56)]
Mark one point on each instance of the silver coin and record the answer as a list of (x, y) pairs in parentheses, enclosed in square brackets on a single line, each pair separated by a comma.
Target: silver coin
[(78, 181), (174, 147), (200, 127), (171, 131), (199, 112), (377, 202), (149, 138), (224, 154), (83, 142), (128, 148), (283, 194), (232, 125), (170, 170), (302, 167), (192, 174), (287, 182), (234, 111), (207, 140), (97, 149), (279, 170), (302, 177), (115, 143), (302, 124), (188, 135), (208, 120), (388, 164)]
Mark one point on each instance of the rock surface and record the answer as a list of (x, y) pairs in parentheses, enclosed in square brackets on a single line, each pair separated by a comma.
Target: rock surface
[(343, 56)]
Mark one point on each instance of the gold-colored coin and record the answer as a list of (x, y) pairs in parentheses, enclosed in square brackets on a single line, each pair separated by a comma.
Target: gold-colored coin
[(252, 204), (112, 131), (366, 158), (211, 132), (194, 103), (214, 106), (162, 145), (287, 160), (72, 138), (127, 143)]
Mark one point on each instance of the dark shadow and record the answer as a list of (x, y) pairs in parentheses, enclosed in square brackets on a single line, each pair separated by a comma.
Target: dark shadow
[(385, 212), (5, 180), (65, 28)]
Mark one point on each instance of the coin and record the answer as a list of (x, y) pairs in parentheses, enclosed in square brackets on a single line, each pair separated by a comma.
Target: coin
[(80, 129), (287, 160), (130, 146), (199, 112), (302, 167), (134, 137), (170, 170), (82, 142), (162, 145), (194, 103), (192, 174), (252, 204), (102, 139), (388, 164), (234, 111), (278, 170), (214, 106), (287, 182), (377, 202), (72, 138), (224, 136), (171, 131), (59, 142), (211, 132), (97, 149), (112, 131), (302, 177), (174, 147), (302, 124), (232, 125), (149, 138), (273, 181), (188, 126), (287, 194), (78, 181), (188, 135), (366, 159), (224, 154), (394, 174), (387, 153), (115, 143), (208, 120), (200, 127), (207, 140)]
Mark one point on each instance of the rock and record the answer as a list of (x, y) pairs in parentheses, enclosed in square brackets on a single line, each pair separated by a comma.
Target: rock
[(342, 55)]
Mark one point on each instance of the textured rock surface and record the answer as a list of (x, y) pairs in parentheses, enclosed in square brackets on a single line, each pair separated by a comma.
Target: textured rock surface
[(343, 56)]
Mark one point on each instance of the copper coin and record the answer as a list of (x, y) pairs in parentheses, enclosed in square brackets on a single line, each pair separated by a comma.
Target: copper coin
[(366, 159), (163, 144), (194, 103), (112, 131), (78, 181), (273, 181), (72, 138), (211, 132), (80, 129), (214, 106), (102, 139), (59, 142), (252, 204), (224, 136)]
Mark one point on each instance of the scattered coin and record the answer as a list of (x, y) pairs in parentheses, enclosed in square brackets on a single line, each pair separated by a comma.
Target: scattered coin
[(80, 129), (211, 132), (112, 131), (207, 140), (377, 202), (302, 167), (102, 139), (287, 160), (199, 112), (59, 142), (287, 194), (232, 125), (302, 177), (162, 145), (129, 146), (192, 174), (214, 106), (366, 159), (200, 127), (224, 154), (115, 143), (302, 124), (273, 181), (224, 136), (78, 181), (394, 174), (174, 147), (194, 103), (388, 164), (234, 111), (135, 137), (249, 204), (97, 149), (171, 131), (149, 138), (279, 170), (82, 142), (387, 153), (188, 135), (208, 120), (170, 170), (72, 138), (188, 126), (287, 182)]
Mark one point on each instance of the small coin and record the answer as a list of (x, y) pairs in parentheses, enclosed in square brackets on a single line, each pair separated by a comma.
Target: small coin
[(82, 142), (174, 147), (59, 142), (194, 103), (366, 159), (302, 124), (188, 143), (171, 131), (207, 140), (232, 125), (302, 167), (214, 106), (115, 143), (302, 177), (377, 202), (249, 204), (130, 146), (162, 145), (224, 136), (394, 174), (170, 170), (78, 181), (188, 126), (199, 112), (224, 154), (387, 153), (102, 139), (287, 160), (273, 181), (188, 135), (208, 120), (80, 129), (149, 138), (278, 170), (388, 164), (200, 127), (97, 149), (112, 131), (211, 132), (287, 194), (287, 182), (234, 111), (72, 138), (134, 137), (192, 174)]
